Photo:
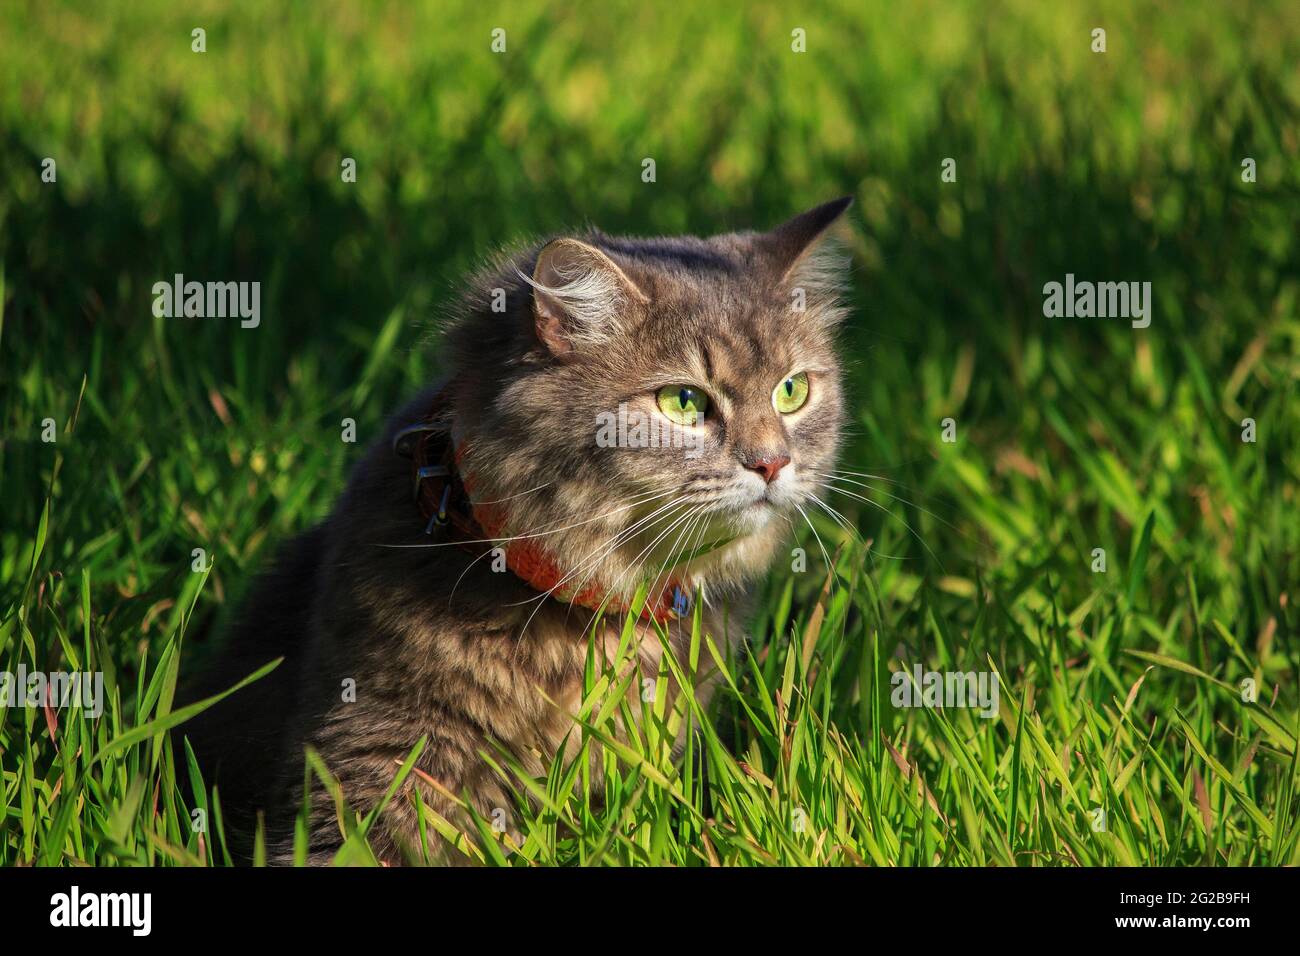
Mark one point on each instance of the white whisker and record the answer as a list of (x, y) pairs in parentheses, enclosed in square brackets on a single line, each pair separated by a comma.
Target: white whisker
[(876, 504), (900, 500), (646, 499)]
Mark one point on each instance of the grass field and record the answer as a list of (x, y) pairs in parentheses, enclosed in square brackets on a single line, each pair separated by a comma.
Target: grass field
[(1124, 734)]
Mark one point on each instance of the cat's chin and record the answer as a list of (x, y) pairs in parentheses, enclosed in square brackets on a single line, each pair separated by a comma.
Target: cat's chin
[(753, 543), (751, 518)]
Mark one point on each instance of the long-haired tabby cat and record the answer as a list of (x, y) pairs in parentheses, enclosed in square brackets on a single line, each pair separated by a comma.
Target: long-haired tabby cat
[(452, 592)]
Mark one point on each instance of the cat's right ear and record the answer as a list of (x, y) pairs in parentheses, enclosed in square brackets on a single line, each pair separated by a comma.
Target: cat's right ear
[(580, 296), (791, 249)]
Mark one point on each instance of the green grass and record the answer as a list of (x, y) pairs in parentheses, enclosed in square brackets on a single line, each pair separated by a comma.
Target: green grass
[(1120, 690)]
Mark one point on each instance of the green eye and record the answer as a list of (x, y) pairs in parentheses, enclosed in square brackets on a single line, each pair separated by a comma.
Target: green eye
[(791, 394), (682, 404)]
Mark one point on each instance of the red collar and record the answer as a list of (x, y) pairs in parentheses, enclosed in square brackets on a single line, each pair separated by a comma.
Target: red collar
[(444, 488)]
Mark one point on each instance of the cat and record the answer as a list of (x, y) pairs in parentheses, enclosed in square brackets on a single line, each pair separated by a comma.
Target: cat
[(452, 592)]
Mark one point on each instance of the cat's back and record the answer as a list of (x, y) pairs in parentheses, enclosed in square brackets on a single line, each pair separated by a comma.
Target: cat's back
[(240, 741)]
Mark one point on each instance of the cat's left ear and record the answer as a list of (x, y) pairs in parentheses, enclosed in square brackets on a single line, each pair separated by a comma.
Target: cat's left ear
[(790, 249), (580, 297)]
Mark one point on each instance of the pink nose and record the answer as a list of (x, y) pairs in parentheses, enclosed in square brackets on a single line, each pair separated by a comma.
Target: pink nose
[(769, 466)]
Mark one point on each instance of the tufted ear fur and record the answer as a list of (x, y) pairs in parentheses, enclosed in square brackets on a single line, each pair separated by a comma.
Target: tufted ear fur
[(806, 263), (580, 297), (786, 246)]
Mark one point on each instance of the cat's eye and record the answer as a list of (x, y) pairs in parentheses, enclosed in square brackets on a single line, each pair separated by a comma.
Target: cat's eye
[(682, 404), (791, 394)]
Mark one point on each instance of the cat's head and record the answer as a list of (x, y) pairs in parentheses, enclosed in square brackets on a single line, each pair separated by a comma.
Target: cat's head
[(636, 404)]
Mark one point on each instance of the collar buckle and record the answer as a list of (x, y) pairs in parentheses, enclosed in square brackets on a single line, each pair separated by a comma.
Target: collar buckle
[(405, 439)]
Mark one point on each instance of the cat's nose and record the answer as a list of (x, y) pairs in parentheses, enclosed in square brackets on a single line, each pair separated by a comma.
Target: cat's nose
[(769, 466)]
